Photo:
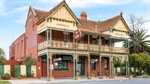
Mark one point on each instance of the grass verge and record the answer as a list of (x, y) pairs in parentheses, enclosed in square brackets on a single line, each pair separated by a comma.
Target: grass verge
[(5, 82)]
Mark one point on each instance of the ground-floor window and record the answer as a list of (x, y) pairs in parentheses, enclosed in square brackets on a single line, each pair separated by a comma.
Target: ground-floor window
[(94, 66), (61, 65), (93, 62), (106, 63)]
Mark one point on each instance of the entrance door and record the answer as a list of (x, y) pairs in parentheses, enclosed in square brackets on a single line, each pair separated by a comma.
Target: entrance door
[(44, 69), (81, 66)]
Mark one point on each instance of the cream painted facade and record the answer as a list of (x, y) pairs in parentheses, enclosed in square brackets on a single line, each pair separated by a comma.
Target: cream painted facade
[(33, 69), (7, 69), (23, 69), (120, 30), (61, 19), (121, 26), (64, 14)]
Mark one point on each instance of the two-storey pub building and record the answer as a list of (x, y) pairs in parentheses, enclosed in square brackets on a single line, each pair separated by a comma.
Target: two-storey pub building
[(49, 37)]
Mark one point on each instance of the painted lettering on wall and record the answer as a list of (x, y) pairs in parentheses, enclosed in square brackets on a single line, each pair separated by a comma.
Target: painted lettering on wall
[(62, 25)]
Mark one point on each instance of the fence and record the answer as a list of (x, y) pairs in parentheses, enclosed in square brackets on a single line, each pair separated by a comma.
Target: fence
[(123, 69), (16, 70)]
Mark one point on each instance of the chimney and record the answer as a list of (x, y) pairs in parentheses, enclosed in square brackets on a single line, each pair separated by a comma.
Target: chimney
[(83, 15)]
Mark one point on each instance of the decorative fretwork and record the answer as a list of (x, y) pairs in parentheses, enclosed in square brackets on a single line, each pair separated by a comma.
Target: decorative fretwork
[(79, 46)]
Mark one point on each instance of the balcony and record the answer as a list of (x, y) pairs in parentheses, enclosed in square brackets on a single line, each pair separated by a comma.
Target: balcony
[(79, 46)]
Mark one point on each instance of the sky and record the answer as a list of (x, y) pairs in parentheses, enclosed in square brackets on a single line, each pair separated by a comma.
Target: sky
[(13, 13)]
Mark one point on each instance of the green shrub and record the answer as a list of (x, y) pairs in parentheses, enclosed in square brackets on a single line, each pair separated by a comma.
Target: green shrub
[(21, 76), (138, 73), (118, 73), (5, 76)]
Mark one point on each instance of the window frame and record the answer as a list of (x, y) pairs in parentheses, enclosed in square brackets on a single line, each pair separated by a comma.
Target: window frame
[(93, 65), (61, 63), (106, 63)]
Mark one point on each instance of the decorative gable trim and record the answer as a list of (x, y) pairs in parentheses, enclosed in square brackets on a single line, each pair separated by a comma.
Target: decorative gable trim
[(32, 10), (70, 11), (122, 19)]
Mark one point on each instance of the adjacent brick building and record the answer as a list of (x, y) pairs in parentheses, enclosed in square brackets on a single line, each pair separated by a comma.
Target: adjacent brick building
[(49, 38)]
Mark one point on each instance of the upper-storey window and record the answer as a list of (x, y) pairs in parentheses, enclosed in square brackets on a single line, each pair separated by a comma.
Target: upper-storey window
[(74, 24), (106, 43), (106, 61), (94, 41), (66, 37), (82, 40), (50, 20)]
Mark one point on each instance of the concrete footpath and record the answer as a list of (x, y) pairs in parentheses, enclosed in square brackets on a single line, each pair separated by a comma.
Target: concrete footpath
[(63, 80)]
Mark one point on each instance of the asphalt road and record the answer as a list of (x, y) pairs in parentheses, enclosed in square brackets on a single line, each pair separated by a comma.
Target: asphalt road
[(84, 81), (129, 81)]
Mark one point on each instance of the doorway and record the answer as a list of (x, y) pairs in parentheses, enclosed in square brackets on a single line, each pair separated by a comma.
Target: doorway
[(44, 66), (44, 69), (81, 66)]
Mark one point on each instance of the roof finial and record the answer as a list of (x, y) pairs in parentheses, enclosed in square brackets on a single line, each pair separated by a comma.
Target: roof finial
[(121, 13)]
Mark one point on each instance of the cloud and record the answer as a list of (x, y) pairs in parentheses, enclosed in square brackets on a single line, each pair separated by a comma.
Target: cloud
[(21, 20), (2, 3), (147, 25), (16, 10), (145, 1), (84, 3), (93, 3)]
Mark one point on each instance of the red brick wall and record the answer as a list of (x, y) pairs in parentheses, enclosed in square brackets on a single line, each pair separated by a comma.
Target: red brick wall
[(59, 36), (31, 35), (30, 41), (11, 62), (106, 72), (64, 73), (41, 37), (95, 72), (17, 48)]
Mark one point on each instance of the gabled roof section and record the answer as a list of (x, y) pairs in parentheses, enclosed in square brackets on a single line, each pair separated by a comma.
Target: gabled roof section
[(40, 13), (44, 14), (32, 10), (125, 24), (98, 26), (108, 24), (94, 26), (89, 26), (63, 3)]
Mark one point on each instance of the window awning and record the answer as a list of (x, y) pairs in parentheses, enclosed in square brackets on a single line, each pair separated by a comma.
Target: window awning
[(67, 58)]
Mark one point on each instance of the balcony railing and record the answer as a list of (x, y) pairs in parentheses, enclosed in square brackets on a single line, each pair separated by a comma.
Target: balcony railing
[(94, 47), (61, 44), (105, 48), (79, 46), (120, 50)]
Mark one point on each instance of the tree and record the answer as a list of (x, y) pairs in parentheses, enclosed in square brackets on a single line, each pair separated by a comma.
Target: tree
[(2, 56), (141, 62), (138, 38), (2, 53), (30, 61), (118, 62)]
